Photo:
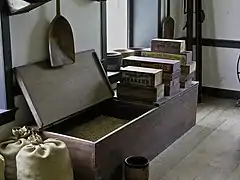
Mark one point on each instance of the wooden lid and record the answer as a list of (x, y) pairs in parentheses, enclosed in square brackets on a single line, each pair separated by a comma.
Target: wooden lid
[(53, 95)]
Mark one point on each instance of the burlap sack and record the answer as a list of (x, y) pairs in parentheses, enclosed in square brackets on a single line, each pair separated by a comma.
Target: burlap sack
[(2, 167), (10, 149), (48, 160)]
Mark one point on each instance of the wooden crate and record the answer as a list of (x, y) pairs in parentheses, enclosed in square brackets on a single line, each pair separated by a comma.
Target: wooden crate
[(171, 76), (168, 46), (147, 77), (184, 58), (172, 90), (140, 93), (186, 84), (168, 66), (77, 95), (189, 68)]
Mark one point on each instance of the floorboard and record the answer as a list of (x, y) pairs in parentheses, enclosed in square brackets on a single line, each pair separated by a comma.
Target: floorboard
[(209, 151)]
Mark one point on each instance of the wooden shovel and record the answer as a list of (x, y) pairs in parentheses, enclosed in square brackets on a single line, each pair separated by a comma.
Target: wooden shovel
[(61, 41), (168, 24)]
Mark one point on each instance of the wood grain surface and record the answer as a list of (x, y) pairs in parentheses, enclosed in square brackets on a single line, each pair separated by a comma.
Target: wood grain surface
[(54, 94), (210, 150)]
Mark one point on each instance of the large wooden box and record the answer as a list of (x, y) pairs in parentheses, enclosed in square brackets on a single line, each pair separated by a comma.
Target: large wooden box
[(71, 103)]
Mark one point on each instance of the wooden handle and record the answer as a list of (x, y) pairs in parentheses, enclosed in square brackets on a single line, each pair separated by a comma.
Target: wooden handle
[(58, 7), (168, 8)]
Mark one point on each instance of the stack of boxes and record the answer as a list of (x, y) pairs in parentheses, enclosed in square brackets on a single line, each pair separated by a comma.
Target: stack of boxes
[(174, 50), (171, 70), (140, 84), (187, 74), (160, 71)]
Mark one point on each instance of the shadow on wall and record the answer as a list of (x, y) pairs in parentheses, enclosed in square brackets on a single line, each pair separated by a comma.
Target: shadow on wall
[(211, 73), (41, 24), (41, 29), (177, 12)]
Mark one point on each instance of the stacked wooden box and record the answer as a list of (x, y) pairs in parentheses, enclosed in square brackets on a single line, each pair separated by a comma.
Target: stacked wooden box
[(174, 50), (171, 70), (140, 84)]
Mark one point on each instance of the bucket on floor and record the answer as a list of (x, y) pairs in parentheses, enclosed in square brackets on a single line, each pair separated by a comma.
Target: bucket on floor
[(136, 168)]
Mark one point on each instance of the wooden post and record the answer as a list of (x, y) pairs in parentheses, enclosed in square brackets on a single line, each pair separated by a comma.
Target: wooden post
[(7, 56), (189, 25), (198, 8)]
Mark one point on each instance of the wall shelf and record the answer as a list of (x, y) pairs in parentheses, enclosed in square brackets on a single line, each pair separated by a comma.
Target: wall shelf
[(33, 6), (7, 116), (28, 8)]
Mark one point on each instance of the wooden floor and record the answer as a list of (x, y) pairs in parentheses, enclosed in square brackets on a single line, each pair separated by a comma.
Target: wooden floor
[(209, 151)]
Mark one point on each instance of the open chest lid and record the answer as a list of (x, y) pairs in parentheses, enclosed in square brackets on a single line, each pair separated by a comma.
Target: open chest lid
[(55, 94)]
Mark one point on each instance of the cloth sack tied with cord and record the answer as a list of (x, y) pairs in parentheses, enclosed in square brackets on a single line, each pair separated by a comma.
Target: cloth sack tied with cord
[(10, 148), (44, 160)]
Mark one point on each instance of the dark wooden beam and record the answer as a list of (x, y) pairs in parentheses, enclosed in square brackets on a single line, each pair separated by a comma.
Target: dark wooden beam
[(1, 4), (103, 7), (159, 19), (198, 8), (130, 23), (7, 56), (189, 25)]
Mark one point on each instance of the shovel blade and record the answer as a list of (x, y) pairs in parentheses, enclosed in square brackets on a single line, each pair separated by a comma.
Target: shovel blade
[(61, 42), (168, 28)]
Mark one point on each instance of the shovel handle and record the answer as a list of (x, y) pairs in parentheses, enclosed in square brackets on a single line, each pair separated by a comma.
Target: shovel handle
[(58, 7), (168, 8)]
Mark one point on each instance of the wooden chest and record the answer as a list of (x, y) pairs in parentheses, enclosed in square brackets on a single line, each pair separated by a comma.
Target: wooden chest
[(75, 104)]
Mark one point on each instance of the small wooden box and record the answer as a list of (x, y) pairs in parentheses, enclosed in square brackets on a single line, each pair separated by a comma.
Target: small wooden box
[(171, 82), (168, 46), (189, 68), (125, 52), (147, 77), (184, 78), (171, 76), (168, 66), (171, 90), (78, 97), (137, 93), (186, 84), (184, 58)]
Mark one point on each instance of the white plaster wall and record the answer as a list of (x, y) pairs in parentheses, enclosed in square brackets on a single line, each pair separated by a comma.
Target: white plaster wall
[(219, 68), (177, 13), (29, 31), (221, 19), (117, 24), (219, 64)]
